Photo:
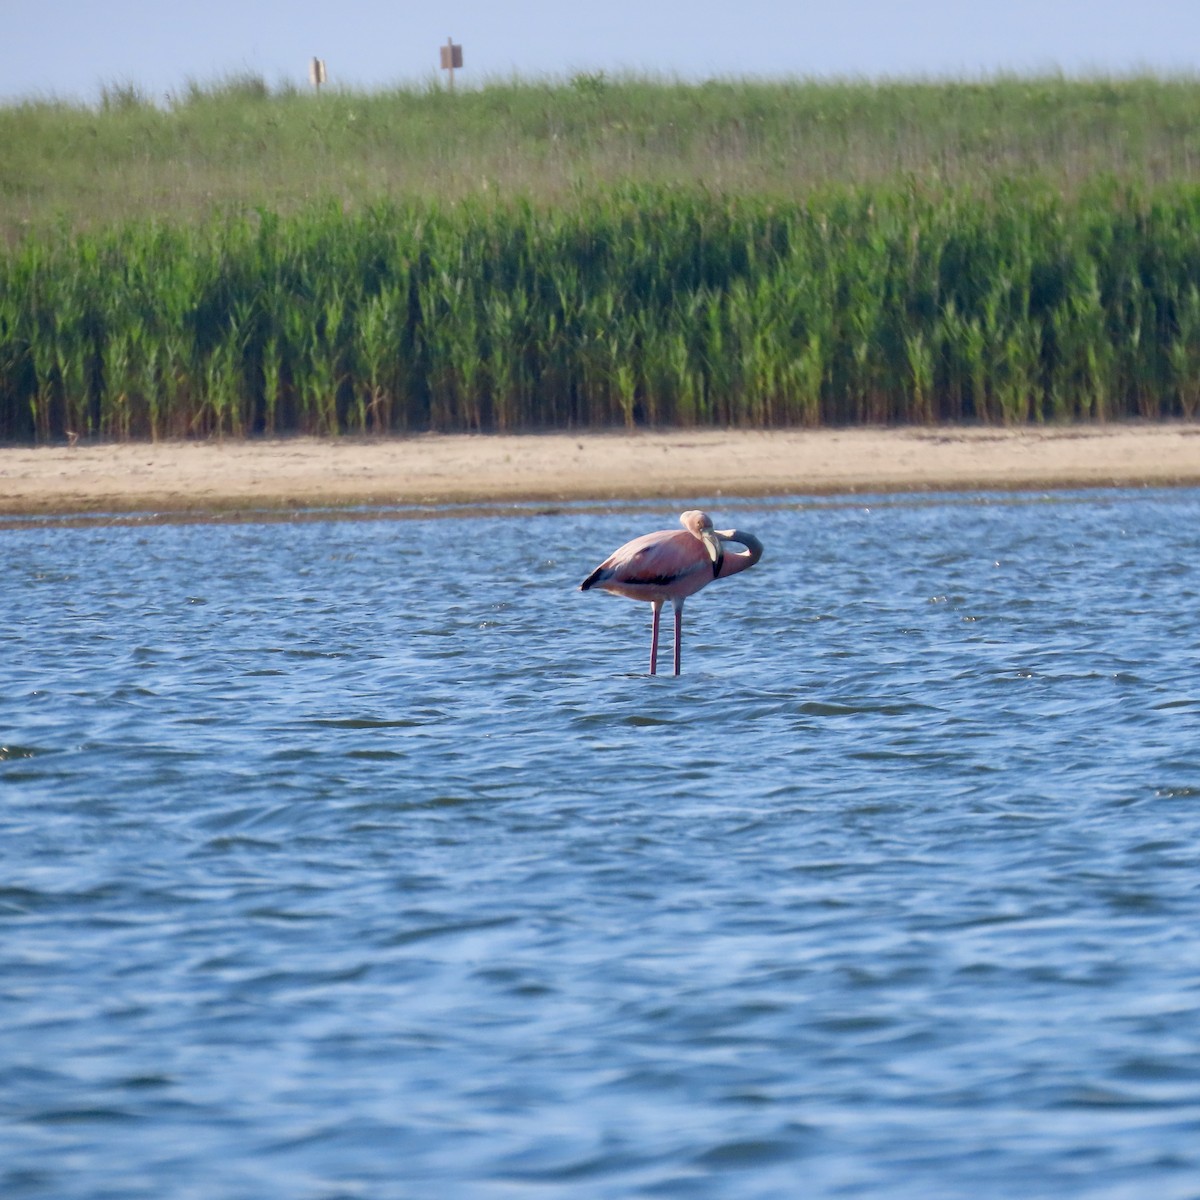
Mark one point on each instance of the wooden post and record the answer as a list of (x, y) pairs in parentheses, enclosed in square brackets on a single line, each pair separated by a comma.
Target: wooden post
[(452, 57), (316, 73)]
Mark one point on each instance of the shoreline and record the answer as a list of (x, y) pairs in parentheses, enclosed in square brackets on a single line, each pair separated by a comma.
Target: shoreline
[(291, 476)]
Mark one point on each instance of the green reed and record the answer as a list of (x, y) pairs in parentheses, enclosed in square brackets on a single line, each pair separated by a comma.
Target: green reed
[(640, 305)]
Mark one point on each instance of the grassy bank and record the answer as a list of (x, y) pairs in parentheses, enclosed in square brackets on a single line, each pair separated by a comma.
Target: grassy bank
[(238, 145), (599, 253)]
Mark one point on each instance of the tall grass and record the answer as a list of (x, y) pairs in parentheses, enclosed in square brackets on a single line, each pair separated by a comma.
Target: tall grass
[(639, 304)]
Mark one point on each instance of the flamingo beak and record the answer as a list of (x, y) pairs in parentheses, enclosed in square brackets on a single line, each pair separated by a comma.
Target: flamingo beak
[(716, 550)]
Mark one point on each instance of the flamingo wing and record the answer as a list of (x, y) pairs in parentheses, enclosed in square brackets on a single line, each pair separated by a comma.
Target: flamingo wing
[(659, 565)]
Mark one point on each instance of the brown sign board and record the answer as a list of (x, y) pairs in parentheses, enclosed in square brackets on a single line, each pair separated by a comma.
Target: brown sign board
[(451, 57)]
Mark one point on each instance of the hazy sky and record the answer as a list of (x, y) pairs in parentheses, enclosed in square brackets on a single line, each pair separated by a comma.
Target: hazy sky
[(68, 48)]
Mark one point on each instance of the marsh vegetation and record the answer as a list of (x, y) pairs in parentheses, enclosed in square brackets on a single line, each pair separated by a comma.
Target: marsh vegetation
[(599, 252)]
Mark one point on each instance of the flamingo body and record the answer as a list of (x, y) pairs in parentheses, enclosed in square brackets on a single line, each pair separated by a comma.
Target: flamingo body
[(673, 565)]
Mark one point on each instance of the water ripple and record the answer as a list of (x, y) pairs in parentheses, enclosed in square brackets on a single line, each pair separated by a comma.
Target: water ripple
[(361, 858)]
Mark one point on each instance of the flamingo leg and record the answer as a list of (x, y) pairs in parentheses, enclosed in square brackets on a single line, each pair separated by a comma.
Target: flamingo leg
[(678, 632), (654, 638)]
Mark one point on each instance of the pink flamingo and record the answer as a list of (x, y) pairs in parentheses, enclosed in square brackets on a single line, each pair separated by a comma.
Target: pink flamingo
[(670, 565)]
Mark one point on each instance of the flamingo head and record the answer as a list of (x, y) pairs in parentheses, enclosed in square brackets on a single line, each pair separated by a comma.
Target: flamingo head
[(699, 524)]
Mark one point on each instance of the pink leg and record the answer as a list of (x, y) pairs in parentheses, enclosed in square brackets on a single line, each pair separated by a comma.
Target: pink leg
[(654, 638), (678, 632)]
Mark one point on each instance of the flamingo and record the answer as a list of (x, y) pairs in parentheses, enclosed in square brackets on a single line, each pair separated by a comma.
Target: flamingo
[(670, 565)]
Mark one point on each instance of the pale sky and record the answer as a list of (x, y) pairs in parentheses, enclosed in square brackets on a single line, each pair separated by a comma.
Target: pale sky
[(68, 48)]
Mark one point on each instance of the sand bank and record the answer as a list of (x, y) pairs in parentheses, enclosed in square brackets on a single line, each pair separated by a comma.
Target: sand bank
[(206, 478)]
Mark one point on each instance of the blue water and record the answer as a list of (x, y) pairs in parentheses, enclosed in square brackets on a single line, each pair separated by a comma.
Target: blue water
[(361, 859)]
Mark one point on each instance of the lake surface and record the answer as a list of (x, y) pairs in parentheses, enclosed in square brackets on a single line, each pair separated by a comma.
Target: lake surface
[(361, 859)]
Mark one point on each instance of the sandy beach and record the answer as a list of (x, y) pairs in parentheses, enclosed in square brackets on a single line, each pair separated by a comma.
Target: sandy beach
[(211, 479)]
